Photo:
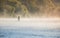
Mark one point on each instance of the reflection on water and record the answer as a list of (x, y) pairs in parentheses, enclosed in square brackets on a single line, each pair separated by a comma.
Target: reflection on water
[(23, 33)]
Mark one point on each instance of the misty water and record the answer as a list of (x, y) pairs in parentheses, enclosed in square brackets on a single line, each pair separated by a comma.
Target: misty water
[(23, 33), (29, 29)]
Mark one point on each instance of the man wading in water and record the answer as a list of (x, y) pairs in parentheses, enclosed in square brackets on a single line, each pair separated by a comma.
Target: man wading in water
[(18, 18)]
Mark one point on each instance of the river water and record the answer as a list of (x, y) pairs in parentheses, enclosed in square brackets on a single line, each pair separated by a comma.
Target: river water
[(29, 28)]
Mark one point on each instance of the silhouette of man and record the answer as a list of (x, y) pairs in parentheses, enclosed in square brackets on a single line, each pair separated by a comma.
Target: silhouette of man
[(18, 18)]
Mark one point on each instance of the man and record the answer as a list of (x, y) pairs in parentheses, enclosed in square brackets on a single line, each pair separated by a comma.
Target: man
[(18, 18)]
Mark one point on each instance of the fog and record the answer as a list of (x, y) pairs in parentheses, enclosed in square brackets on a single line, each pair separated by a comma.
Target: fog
[(34, 23)]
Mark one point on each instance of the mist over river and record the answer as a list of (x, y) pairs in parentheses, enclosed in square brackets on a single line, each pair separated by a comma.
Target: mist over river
[(29, 28)]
